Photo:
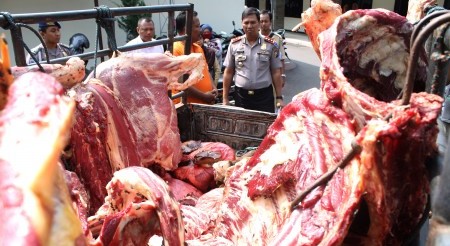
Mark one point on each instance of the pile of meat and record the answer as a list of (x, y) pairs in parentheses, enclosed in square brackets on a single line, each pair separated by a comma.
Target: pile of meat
[(135, 183)]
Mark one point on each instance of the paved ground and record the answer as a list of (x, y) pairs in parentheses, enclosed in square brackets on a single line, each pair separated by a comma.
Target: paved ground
[(297, 38), (302, 67)]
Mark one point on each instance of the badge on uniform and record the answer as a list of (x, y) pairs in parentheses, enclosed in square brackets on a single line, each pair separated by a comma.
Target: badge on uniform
[(240, 60)]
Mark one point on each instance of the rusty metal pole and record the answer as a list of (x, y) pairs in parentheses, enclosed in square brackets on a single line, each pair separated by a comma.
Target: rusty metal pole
[(188, 42)]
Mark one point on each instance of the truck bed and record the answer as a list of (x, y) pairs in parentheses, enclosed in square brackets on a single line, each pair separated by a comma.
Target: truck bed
[(239, 128)]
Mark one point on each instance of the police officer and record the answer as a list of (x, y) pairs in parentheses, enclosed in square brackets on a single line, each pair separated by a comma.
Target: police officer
[(255, 63), (51, 34), (266, 30)]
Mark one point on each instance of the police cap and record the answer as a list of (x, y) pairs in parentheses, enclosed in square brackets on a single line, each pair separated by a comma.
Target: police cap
[(43, 24)]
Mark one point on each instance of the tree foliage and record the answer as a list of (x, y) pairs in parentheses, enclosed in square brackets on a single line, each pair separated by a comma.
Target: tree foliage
[(129, 23)]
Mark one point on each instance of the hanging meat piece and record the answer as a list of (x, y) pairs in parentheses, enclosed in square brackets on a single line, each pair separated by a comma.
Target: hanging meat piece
[(369, 49), (35, 206), (308, 139), (125, 118), (393, 162), (316, 19)]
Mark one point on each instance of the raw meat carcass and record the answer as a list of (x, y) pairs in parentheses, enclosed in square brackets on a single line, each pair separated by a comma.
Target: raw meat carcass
[(316, 19), (125, 118), (314, 132), (80, 199), (255, 208), (256, 204), (394, 168), (68, 75), (182, 191), (200, 156), (35, 206), (370, 50), (138, 206), (201, 177), (207, 152)]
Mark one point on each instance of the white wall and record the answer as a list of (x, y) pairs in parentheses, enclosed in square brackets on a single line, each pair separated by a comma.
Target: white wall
[(384, 4), (219, 13)]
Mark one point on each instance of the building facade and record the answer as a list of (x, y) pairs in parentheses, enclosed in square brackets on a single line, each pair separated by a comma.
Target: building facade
[(289, 11), (218, 13)]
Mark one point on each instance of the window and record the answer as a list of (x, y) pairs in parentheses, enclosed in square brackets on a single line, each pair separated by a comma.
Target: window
[(355, 4), (252, 3), (293, 8)]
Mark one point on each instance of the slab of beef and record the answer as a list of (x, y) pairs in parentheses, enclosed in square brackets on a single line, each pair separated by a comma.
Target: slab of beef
[(138, 206), (125, 118), (80, 199), (308, 138), (394, 168), (369, 48), (364, 63), (183, 192), (388, 178), (68, 75), (200, 156), (35, 206), (206, 152)]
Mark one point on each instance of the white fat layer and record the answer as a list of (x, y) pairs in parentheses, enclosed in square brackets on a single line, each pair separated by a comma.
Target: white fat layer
[(282, 151), (385, 49), (361, 23)]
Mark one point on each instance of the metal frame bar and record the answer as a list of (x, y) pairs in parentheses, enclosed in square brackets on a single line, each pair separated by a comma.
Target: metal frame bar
[(424, 31), (32, 18)]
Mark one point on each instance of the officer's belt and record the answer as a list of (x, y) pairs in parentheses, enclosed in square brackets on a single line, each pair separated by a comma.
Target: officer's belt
[(252, 92)]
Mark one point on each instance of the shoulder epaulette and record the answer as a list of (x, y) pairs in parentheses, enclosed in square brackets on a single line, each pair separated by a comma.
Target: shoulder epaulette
[(234, 40), (269, 40)]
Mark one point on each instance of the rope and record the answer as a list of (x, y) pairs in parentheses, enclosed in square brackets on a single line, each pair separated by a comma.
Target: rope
[(105, 20), (14, 26)]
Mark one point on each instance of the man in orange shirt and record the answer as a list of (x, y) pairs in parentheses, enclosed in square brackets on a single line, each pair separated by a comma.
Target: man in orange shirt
[(204, 91)]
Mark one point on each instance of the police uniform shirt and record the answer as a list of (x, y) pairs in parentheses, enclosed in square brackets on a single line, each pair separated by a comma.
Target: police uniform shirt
[(253, 64), (61, 50)]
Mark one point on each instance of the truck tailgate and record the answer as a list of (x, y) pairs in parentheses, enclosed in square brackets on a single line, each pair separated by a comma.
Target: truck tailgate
[(236, 127)]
